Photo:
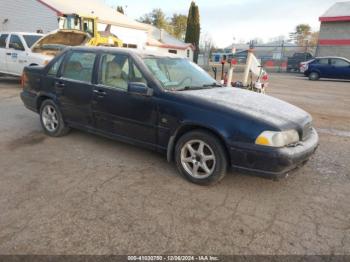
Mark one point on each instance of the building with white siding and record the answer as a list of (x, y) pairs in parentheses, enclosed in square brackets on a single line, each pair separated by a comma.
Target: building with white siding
[(42, 15)]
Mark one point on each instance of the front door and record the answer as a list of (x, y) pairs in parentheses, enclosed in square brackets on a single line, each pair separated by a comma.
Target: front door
[(117, 112), (16, 55), (74, 87), (323, 67)]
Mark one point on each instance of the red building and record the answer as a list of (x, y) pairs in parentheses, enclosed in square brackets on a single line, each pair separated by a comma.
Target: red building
[(335, 31)]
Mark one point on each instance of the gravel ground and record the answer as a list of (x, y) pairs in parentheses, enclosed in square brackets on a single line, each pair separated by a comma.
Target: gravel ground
[(84, 194)]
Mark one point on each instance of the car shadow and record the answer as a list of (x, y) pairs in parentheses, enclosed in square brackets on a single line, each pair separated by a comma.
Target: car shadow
[(9, 80), (156, 157)]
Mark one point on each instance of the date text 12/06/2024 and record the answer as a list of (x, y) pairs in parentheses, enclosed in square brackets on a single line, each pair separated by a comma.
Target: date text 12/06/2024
[(173, 258)]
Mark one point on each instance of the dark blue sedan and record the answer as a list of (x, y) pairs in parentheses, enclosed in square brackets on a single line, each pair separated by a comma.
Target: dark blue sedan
[(170, 105), (327, 67)]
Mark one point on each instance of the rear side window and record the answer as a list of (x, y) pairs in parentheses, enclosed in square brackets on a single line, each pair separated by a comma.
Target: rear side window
[(322, 61), (16, 43), (3, 40), (79, 66), (339, 63), (31, 39), (54, 68)]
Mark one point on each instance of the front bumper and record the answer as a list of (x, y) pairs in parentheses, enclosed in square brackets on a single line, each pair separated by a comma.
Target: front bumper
[(273, 162)]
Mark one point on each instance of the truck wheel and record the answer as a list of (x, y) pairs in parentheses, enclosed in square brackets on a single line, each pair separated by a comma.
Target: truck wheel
[(200, 157), (51, 119), (314, 76)]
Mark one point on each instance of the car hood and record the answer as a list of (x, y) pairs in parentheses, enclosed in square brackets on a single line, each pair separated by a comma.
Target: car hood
[(259, 106), (57, 40)]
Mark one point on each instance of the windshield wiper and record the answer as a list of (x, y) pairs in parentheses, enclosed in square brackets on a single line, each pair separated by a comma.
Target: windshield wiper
[(213, 85), (199, 87)]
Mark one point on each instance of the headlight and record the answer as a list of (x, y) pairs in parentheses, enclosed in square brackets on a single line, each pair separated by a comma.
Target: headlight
[(277, 139)]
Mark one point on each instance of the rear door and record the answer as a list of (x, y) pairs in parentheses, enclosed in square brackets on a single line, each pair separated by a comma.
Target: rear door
[(340, 68), (17, 58), (74, 87), (118, 112), (3, 52)]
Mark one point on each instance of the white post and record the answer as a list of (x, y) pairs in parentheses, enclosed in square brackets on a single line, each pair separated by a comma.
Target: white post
[(247, 67), (229, 77)]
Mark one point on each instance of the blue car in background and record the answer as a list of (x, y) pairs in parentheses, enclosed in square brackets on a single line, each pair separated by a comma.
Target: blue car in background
[(327, 67)]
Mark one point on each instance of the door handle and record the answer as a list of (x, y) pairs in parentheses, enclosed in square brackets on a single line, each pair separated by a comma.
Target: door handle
[(100, 93), (8, 53), (60, 84)]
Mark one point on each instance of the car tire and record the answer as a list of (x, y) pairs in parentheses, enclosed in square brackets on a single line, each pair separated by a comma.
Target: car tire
[(51, 119), (200, 157), (314, 76)]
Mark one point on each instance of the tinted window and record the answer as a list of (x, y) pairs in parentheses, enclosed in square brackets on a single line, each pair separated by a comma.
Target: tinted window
[(322, 61), (3, 40), (114, 71), (31, 39), (79, 66), (339, 62), (54, 68), (16, 43)]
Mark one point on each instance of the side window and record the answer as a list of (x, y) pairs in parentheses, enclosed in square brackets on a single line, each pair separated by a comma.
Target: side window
[(136, 75), (16, 43), (3, 40), (339, 63), (54, 68), (323, 61), (79, 66), (114, 71)]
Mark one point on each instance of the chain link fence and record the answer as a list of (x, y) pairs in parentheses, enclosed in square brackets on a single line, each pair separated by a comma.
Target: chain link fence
[(274, 58)]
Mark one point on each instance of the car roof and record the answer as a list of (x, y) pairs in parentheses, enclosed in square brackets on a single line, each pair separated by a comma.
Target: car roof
[(327, 57), (141, 53), (21, 33)]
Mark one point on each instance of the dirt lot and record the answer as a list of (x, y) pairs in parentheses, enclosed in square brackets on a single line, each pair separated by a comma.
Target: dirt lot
[(83, 194)]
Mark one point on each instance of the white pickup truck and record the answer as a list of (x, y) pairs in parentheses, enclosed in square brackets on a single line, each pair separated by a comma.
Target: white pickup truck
[(18, 50), (16, 53)]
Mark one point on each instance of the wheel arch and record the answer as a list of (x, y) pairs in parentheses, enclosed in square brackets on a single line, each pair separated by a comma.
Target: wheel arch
[(188, 128), (41, 98)]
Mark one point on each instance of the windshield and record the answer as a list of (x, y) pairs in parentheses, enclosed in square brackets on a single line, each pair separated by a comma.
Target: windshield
[(31, 39), (178, 73), (70, 22)]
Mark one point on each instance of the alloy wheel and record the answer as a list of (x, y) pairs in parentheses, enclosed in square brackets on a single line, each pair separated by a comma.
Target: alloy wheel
[(198, 159), (50, 118)]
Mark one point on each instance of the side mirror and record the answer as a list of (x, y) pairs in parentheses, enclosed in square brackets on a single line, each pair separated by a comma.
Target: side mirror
[(139, 88)]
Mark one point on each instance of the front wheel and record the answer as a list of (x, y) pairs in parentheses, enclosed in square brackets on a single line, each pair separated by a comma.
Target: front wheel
[(201, 158), (51, 119)]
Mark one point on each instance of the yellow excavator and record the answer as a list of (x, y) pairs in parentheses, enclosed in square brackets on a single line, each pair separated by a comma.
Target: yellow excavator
[(88, 24)]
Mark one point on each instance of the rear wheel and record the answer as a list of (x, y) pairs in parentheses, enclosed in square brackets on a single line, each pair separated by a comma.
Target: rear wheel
[(314, 76), (51, 119), (201, 158)]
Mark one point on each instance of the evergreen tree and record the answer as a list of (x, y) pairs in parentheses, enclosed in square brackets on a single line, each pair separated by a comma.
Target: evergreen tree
[(193, 29)]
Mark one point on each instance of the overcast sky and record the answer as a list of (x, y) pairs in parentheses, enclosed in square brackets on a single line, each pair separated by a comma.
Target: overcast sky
[(243, 20)]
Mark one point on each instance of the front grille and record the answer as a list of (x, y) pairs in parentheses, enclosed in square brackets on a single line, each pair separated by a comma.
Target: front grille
[(306, 131)]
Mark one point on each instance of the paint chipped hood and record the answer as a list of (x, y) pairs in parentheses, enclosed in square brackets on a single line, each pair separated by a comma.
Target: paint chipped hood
[(55, 41), (261, 107)]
